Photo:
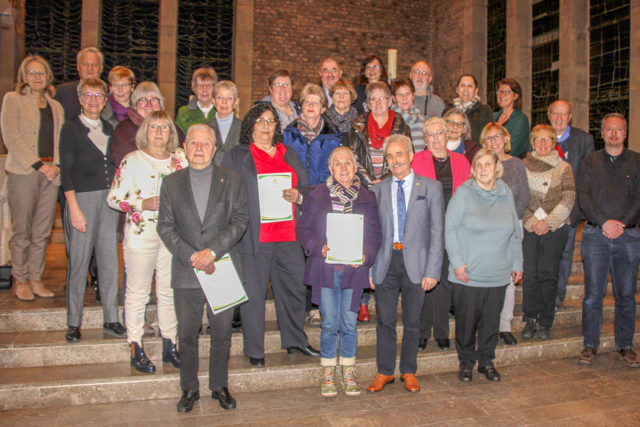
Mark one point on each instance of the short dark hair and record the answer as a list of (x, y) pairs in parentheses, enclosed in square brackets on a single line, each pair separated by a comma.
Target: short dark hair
[(475, 81), (280, 73), (249, 122), (362, 79), (515, 88), (398, 83)]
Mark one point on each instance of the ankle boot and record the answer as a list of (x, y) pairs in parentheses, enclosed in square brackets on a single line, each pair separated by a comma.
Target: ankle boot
[(349, 383), (140, 361), (328, 387), (170, 352)]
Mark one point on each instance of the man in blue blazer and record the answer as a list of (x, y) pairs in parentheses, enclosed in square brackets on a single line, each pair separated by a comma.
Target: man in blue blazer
[(576, 145), (203, 215), (411, 210)]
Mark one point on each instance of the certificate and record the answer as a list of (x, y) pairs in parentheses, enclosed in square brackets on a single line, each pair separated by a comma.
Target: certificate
[(273, 207), (223, 288), (345, 233)]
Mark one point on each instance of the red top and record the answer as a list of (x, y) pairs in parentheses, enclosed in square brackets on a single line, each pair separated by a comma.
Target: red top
[(460, 169), (284, 231), (377, 134)]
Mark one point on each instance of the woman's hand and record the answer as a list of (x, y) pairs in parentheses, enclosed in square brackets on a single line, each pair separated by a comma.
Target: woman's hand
[(49, 171), (325, 249), (364, 258), (291, 195), (371, 284), (461, 273), (516, 276), (151, 204), (540, 227), (77, 219)]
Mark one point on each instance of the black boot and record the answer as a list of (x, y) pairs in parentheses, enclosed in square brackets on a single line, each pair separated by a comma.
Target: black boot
[(170, 353), (140, 361), (236, 322)]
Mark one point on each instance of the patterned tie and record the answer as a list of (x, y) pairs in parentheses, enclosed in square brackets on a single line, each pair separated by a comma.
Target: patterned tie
[(402, 210)]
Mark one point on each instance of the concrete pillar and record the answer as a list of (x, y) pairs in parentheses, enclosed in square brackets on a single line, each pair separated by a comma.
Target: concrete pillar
[(474, 42), (518, 54), (574, 59), (242, 64), (167, 36), (634, 78), (11, 48), (91, 23)]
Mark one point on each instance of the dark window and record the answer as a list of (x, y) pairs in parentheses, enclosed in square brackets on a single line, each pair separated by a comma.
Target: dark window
[(496, 47), (545, 55)]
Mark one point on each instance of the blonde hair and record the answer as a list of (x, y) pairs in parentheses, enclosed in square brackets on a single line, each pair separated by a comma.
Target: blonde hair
[(503, 131), (313, 89), (486, 152), (141, 136), (539, 128), (22, 75)]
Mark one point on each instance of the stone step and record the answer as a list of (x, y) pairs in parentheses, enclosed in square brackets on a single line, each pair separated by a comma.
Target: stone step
[(49, 348), (118, 382)]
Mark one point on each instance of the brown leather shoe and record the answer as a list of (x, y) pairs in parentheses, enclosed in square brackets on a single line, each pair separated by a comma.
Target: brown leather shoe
[(38, 289), (587, 356), (22, 291), (629, 357), (410, 383), (380, 382)]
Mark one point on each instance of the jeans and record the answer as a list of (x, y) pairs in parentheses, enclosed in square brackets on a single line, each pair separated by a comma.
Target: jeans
[(335, 308), (565, 263), (622, 256)]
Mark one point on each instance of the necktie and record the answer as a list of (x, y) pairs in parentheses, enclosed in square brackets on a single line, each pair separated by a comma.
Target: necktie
[(402, 210)]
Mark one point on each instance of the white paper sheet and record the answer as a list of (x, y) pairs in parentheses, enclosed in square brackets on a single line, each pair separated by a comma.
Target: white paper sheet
[(223, 288), (540, 214), (273, 207), (345, 233)]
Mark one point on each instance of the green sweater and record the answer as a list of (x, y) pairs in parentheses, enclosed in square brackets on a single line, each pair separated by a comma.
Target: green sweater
[(190, 114), (518, 127)]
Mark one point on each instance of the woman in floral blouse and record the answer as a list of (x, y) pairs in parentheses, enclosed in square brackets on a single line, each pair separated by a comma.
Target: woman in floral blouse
[(135, 191)]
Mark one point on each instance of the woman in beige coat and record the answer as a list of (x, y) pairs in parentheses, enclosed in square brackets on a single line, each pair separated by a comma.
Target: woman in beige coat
[(31, 121)]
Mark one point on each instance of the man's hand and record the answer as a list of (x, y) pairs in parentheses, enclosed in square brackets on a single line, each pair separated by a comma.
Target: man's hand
[(204, 261), (613, 229), (325, 249), (364, 258), (151, 204), (428, 283), (461, 273), (516, 276), (291, 195)]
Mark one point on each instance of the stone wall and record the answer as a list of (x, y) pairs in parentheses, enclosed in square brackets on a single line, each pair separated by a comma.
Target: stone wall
[(296, 35)]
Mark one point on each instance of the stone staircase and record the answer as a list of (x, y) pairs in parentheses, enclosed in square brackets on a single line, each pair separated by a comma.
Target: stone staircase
[(38, 368)]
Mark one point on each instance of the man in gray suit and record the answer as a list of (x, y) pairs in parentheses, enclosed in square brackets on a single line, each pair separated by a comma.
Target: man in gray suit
[(202, 216), (411, 210), (575, 144)]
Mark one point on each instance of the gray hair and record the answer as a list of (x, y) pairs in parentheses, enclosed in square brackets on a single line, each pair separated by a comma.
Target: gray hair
[(95, 83), (396, 137), (341, 149), (466, 134), (91, 49), (202, 126), (434, 121), (486, 152), (226, 84), (146, 88)]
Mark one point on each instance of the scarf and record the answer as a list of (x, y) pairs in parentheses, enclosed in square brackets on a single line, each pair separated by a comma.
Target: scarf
[(467, 105), (119, 109), (342, 121), (342, 198), (310, 133), (378, 134)]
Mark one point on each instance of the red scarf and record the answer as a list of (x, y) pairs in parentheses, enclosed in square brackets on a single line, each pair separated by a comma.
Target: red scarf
[(378, 134)]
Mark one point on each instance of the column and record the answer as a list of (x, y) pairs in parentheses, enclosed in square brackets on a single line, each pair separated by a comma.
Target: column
[(518, 54), (243, 53), (91, 23), (474, 42), (574, 59), (167, 37), (634, 78)]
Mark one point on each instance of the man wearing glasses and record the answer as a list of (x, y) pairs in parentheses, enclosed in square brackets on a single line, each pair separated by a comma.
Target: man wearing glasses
[(89, 64), (425, 100), (280, 94), (330, 72)]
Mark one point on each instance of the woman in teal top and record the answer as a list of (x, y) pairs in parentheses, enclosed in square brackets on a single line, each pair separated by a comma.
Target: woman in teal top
[(484, 244), (509, 95)]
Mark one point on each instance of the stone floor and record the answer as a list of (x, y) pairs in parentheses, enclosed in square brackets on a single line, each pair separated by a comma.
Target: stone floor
[(556, 392)]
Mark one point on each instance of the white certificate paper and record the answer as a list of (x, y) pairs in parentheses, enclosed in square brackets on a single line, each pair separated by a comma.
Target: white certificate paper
[(223, 288), (345, 234), (273, 207)]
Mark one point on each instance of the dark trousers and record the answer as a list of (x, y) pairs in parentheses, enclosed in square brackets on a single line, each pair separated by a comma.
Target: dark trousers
[(395, 282), (564, 270), (437, 303), (189, 304), (542, 256), (284, 263), (477, 313), (622, 256)]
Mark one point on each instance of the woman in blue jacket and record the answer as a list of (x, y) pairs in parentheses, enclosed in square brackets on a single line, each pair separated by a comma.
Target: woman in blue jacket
[(311, 135)]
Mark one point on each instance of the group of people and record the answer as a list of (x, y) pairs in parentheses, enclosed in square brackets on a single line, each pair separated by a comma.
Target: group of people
[(458, 205)]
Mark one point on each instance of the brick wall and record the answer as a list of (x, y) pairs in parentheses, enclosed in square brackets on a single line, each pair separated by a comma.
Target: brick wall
[(297, 35)]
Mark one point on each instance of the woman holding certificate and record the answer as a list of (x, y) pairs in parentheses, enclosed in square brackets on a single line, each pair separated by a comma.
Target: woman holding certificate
[(135, 191), (337, 287), (276, 182)]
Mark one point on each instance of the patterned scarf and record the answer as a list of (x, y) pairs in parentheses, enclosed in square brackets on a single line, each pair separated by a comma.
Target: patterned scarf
[(467, 105), (342, 198), (310, 133), (342, 121), (378, 134)]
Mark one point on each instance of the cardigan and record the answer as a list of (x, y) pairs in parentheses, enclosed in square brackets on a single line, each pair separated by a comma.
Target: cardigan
[(518, 127), (20, 128), (191, 114), (83, 167), (423, 165)]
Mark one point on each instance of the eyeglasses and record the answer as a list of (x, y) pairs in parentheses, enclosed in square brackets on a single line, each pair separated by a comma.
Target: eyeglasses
[(372, 67), (503, 92), (204, 85), (422, 73), (380, 99), (265, 122), (496, 137), (455, 124), (545, 140), (121, 85), (90, 96), (224, 98), (329, 70), (33, 73), (311, 103), (149, 101), (281, 85), (162, 127), (437, 133)]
